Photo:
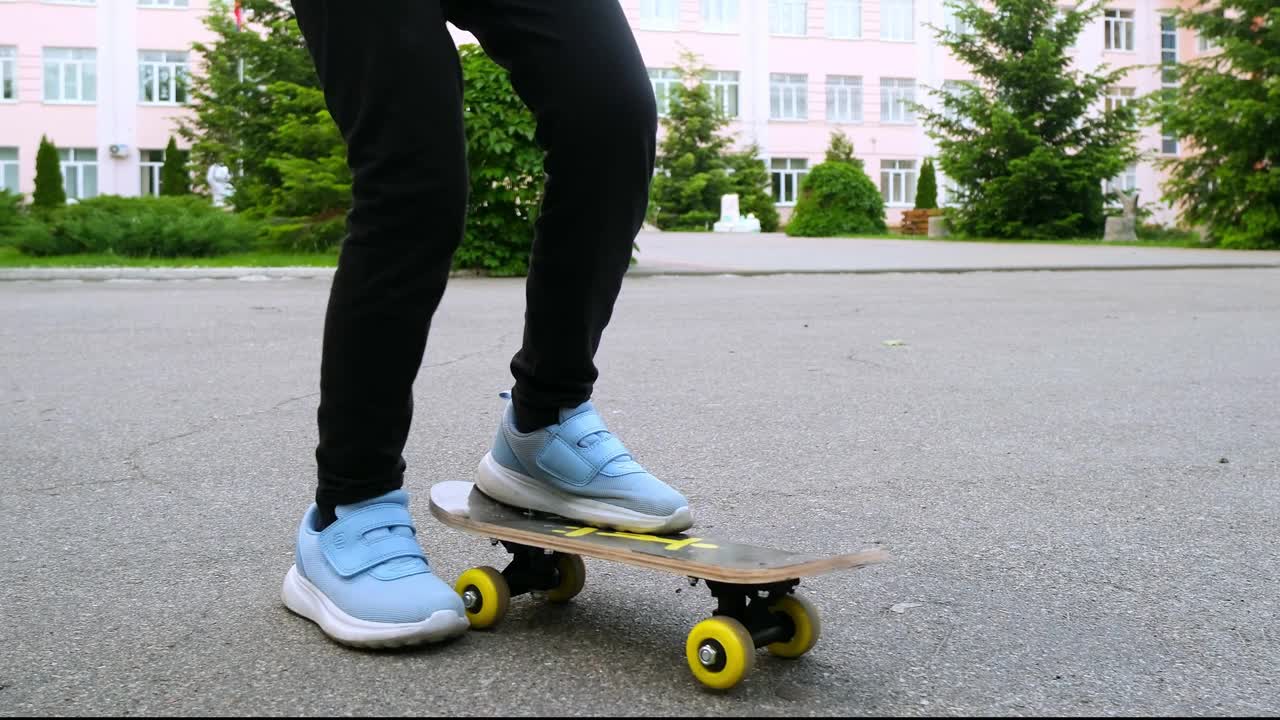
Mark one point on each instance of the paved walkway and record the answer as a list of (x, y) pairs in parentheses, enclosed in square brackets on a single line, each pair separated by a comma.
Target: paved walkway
[(771, 253)]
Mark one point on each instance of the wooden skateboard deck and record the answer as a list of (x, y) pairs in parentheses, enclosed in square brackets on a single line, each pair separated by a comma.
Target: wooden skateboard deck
[(461, 505)]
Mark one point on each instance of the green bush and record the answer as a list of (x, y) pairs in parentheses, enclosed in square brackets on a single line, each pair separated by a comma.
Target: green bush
[(140, 227), (318, 234), (174, 177), (837, 198), (11, 215)]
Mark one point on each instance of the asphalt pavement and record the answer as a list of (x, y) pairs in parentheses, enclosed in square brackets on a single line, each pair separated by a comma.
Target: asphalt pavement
[(1075, 474)]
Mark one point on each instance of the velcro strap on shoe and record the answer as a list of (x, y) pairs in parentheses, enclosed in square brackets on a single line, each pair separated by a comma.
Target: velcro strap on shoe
[(350, 553), (568, 461)]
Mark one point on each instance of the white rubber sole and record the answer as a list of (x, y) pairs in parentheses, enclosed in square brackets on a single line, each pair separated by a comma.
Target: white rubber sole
[(516, 489), (305, 599)]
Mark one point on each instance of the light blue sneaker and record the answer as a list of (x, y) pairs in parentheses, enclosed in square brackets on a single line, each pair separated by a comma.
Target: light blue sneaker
[(577, 469), (365, 580)]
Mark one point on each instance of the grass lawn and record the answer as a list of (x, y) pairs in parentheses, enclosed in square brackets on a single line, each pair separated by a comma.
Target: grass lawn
[(13, 258)]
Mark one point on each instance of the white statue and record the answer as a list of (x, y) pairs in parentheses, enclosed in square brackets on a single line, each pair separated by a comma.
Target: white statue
[(219, 180), (731, 221)]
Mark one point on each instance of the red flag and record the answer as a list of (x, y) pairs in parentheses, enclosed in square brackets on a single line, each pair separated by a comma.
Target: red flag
[(239, 17)]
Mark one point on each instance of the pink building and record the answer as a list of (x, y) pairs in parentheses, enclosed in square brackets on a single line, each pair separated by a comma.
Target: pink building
[(101, 79)]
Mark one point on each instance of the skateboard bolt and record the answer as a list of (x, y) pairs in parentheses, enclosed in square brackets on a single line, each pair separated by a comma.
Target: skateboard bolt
[(470, 599), (707, 655)]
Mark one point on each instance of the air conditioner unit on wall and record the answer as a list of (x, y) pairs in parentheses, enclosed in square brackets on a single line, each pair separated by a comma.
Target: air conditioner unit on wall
[(118, 150)]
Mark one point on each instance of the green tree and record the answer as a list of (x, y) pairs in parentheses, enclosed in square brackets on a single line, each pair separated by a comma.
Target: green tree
[(50, 194), (693, 170), (1021, 144), (927, 187), (506, 169), (840, 149), (236, 116), (1226, 111), (751, 181), (174, 177)]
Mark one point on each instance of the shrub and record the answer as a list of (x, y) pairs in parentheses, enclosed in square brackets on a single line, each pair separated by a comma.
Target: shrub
[(140, 227), (174, 178), (837, 198), (11, 215)]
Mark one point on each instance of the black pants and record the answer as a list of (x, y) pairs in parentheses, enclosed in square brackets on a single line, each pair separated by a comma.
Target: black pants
[(392, 81)]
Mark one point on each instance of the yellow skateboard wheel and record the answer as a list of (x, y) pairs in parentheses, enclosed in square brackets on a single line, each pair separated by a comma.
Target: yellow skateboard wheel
[(485, 594), (720, 652), (804, 617), (573, 575)]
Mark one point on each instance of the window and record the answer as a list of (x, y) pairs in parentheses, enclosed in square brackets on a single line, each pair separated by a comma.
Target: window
[(70, 75), (897, 20), (163, 3), (1118, 97), (152, 161), (719, 15), (79, 172), (844, 19), (844, 98), (1204, 44), (662, 80), (1168, 51), (724, 90), (787, 174), (788, 17), (1060, 14), (162, 77), (1126, 181), (953, 88), (788, 96), (659, 14), (8, 73), (896, 97), (950, 21), (1119, 27), (9, 169), (898, 182)]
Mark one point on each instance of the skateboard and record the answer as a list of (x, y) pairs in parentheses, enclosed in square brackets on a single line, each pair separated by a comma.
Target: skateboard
[(754, 587)]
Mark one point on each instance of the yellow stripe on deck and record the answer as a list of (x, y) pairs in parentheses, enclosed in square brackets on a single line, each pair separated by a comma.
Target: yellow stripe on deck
[(668, 543)]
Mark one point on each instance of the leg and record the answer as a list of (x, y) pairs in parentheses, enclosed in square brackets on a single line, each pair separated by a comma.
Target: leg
[(393, 85), (391, 81), (576, 64)]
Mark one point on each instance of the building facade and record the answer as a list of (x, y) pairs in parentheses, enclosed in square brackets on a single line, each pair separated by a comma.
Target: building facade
[(103, 80)]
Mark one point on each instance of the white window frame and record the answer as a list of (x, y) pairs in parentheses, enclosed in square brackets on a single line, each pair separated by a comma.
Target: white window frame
[(662, 80), (844, 99), (951, 87), (789, 17), (70, 159), (793, 171), (1127, 180), (1121, 30), (725, 91), (898, 182), (844, 19), (788, 96), (9, 169), (8, 73), (896, 94), (174, 62), (1118, 97), (720, 15), (897, 20), (83, 62), (659, 14), (951, 22), (165, 4), (151, 169)]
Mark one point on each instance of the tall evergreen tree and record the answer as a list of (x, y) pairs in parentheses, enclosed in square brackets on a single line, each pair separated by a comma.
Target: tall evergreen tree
[(50, 194), (174, 177), (1225, 111), (1028, 145), (927, 187)]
